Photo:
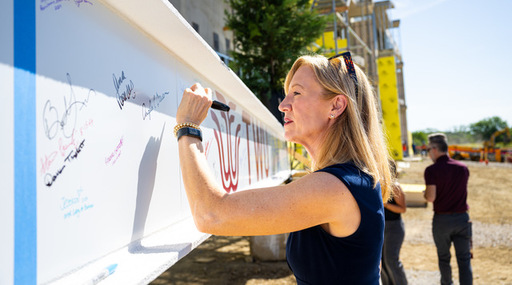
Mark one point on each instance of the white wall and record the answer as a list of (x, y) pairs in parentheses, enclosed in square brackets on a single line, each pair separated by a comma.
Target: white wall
[(109, 77)]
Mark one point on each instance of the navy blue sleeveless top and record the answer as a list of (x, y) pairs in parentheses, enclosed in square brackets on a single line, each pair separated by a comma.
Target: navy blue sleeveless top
[(316, 257)]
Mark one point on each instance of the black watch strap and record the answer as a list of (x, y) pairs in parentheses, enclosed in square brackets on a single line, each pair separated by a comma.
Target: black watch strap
[(188, 131)]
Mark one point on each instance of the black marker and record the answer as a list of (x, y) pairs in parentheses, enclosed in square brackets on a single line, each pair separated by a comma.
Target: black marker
[(220, 106)]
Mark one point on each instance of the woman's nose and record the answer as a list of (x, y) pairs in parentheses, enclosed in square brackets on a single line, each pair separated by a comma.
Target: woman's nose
[(284, 105)]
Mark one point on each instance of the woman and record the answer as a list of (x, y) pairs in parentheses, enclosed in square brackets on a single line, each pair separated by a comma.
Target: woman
[(335, 214), (392, 269)]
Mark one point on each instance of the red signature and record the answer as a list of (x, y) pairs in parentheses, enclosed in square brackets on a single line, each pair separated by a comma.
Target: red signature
[(64, 144)]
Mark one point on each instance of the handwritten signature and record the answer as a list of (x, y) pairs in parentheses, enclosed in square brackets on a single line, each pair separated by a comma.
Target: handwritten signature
[(47, 161), (112, 158), (55, 119), (68, 202), (57, 4), (154, 103), (73, 206), (64, 144), (74, 153), (49, 179), (127, 93)]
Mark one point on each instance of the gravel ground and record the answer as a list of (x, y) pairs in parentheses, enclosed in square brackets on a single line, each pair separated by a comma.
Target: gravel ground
[(227, 260), (418, 232), (422, 277), (484, 235)]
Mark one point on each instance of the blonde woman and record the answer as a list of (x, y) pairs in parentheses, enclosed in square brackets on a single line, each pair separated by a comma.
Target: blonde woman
[(335, 215)]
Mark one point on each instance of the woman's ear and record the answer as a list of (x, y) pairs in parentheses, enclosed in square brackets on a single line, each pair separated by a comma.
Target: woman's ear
[(339, 104)]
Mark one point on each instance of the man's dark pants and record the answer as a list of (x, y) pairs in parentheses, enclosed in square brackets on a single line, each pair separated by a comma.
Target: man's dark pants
[(456, 228)]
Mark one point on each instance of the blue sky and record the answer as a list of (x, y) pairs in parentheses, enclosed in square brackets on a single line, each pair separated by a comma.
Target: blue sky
[(457, 61)]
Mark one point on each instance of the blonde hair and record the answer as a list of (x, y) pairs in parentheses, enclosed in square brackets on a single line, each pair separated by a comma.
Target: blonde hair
[(356, 134)]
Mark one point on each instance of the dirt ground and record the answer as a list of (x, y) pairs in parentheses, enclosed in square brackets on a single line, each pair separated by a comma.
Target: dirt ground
[(227, 260)]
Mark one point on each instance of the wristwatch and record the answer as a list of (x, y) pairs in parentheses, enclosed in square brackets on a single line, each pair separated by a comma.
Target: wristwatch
[(188, 131)]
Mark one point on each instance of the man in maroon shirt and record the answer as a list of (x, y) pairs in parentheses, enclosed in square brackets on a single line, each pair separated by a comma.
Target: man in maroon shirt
[(446, 186)]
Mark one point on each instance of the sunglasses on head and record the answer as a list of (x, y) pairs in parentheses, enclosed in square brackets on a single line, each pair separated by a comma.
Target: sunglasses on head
[(350, 67)]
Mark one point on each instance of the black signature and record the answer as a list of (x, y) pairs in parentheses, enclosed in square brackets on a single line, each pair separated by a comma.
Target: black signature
[(74, 153), (53, 121), (49, 179), (154, 103), (126, 93)]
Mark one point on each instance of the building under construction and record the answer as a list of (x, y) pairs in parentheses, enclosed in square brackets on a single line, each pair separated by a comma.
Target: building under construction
[(366, 29), (363, 27)]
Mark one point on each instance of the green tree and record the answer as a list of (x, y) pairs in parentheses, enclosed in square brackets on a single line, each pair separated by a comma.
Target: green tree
[(486, 127), (419, 138), (460, 135), (268, 37)]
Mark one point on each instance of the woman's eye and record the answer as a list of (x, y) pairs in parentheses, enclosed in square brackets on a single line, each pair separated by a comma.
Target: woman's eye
[(296, 93)]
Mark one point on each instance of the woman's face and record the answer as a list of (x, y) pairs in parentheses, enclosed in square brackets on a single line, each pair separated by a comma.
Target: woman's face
[(306, 113)]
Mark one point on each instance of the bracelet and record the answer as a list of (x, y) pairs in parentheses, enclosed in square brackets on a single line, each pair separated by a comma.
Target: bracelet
[(191, 132), (184, 125)]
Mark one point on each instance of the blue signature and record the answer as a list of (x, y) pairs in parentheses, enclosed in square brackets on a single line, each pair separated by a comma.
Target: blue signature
[(75, 205), (57, 4)]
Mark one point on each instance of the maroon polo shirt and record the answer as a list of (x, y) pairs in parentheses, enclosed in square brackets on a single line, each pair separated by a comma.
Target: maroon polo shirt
[(451, 179)]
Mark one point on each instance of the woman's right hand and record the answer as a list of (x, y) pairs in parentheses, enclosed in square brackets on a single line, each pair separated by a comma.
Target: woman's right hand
[(194, 105)]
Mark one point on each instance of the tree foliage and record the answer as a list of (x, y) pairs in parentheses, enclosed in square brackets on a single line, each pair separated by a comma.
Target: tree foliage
[(460, 135), (268, 37), (475, 133), (419, 138), (486, 127)]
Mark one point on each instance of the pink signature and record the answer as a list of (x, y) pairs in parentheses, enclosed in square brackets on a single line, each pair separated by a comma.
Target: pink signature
[(114, 156)]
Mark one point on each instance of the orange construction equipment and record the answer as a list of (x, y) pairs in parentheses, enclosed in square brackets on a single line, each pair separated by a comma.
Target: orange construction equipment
[(491, 152), (460, 152)]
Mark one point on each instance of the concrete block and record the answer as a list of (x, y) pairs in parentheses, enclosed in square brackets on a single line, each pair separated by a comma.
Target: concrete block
[(414, 195), (269, 248)]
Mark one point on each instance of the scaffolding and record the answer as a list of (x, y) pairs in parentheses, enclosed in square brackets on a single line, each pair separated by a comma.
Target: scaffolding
[(365, 28)]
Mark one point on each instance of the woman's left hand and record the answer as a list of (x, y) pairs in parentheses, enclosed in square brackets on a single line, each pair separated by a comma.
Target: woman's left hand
[(194, 105)]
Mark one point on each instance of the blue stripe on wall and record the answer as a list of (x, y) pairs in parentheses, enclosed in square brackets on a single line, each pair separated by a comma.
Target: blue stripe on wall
[(25, 202)]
